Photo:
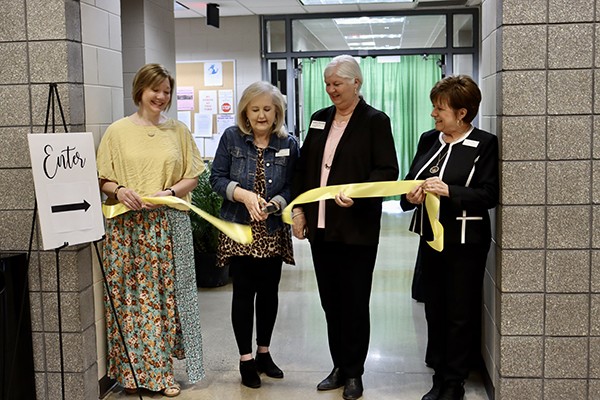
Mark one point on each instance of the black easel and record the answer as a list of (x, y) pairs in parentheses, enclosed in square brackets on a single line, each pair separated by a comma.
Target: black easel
[(50, 109), (53, 99)]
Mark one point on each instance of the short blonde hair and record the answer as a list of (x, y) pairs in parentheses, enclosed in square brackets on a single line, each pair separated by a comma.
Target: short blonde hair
[(257, 89), (346, 67), (149, 76)]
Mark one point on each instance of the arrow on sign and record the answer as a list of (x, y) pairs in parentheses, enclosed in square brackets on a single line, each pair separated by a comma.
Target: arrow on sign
[(71, 207)]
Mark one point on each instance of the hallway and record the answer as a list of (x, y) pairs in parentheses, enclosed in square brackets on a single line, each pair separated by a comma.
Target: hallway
[(394, 370)]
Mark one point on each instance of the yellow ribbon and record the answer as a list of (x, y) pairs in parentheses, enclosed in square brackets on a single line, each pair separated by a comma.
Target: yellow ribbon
[(238, 232), (374, 189)]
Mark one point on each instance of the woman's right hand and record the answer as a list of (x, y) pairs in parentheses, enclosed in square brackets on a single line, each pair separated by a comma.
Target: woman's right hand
[(299, 226), (253, 202), (416, 196), (130, 198)]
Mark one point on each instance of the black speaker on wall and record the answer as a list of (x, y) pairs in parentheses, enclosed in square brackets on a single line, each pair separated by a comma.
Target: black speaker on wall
[(212, 14)]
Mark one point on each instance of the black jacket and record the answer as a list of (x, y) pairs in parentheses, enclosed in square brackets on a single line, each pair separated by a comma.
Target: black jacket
[(366, 153), (470, 169)]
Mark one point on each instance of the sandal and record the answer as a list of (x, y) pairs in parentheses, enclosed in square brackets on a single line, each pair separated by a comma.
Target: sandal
[(131, 390), (171, 391)]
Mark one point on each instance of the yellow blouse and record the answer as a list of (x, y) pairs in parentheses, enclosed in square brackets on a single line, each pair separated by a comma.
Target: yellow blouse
[(148, 159)]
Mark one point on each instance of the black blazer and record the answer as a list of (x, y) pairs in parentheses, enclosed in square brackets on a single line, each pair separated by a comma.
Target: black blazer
[(470, 169), (366, 153)]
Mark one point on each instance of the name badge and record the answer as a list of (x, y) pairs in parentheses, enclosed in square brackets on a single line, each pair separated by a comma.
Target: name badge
[(470, 143), (317, 124), (283, 153)]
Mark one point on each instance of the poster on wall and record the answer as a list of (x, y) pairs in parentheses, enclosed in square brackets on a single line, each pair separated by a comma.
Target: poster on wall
[(224, 121), (186, 118), (185, 98), (213, 73), (226, 101), (203, 125), (207, 101)]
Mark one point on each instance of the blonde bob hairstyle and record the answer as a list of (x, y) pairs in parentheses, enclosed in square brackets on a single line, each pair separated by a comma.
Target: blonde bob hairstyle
[(150, 76), (346, 67), (258, 89)]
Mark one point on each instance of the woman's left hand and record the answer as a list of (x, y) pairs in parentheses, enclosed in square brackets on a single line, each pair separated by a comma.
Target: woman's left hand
[(162, 193), (343, 201), (436, 186)]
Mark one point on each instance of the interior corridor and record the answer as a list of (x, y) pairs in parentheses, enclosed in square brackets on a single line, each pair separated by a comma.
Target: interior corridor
[(394, 369)]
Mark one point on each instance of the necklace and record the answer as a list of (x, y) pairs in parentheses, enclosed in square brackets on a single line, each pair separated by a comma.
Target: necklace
[(436, 168)]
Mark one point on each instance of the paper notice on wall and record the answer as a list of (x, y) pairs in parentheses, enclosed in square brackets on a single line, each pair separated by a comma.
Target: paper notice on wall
[(226, 101), (224, 121), (186, 118), (185, 98), (213, 74), (207, 102), (210, 145), (203, 125)]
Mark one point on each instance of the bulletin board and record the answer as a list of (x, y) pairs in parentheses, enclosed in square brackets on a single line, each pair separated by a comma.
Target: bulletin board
[(206, 100)]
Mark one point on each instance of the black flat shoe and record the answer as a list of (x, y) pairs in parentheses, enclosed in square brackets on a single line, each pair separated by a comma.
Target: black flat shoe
[(333, 381), (249, 374), (264, 363), (434, 392), (452, 391), (353, 389)]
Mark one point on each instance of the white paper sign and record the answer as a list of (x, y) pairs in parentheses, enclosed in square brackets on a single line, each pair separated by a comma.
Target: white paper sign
[(66, 188), (226, 101), (203, 125), (207, 101), (224, 121), (213, 73), (186, 118)]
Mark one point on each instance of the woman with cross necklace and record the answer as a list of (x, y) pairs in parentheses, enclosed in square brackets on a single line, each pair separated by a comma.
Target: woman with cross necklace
[(459, 163)]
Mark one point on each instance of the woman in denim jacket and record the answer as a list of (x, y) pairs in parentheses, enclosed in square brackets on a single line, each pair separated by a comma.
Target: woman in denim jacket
[(252, 170)]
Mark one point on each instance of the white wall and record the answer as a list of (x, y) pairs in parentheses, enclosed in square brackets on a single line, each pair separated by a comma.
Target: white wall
[(238, 38)]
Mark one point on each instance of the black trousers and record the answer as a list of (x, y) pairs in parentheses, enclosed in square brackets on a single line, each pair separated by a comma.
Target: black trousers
[(452, 283), (344, 277), (255, 281)]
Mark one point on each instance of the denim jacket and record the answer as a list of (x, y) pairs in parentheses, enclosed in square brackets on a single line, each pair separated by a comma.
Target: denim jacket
[(235, 165)]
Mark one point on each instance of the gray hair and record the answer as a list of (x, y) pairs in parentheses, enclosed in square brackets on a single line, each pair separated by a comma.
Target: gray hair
[(250, 93), (346, 67)]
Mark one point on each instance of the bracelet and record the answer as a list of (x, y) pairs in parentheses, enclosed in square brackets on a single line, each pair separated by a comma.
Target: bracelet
[(172, 191), (296, 214), (117, 191)]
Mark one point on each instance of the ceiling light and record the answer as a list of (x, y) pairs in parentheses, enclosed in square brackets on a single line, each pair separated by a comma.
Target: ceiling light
[(368, 20), (338, 2), (373, 36)]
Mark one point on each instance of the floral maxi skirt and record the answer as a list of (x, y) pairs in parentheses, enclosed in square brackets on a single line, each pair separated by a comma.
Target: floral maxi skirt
[(149, 265)]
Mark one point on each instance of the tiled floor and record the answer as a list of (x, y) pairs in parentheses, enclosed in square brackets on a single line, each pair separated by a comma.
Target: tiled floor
[(394, 368)]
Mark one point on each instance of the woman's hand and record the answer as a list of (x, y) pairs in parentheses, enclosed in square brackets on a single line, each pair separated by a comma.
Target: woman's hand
[(417, 195), (130, 198), (253, 202), (299, 228), (162, 193), (343, 201), (436, 186)]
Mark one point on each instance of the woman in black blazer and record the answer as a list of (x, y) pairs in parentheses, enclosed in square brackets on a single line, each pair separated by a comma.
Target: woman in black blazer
[(349, 142), (460, 164)]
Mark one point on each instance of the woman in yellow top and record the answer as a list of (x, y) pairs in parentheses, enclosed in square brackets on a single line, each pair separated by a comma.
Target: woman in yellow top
[(148, 252)]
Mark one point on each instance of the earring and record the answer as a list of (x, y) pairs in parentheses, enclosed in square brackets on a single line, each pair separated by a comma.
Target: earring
[(247, 123)]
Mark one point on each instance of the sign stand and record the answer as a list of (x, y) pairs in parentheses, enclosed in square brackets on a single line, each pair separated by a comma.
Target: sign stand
[(114, 311), (53, 97)]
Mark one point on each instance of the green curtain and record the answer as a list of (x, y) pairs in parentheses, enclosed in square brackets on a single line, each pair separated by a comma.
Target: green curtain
[(400, 89)]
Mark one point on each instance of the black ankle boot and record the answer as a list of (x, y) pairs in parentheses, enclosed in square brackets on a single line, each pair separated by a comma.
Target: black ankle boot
[(264, 363), (434, 392), (249, 374), (453, 390)]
